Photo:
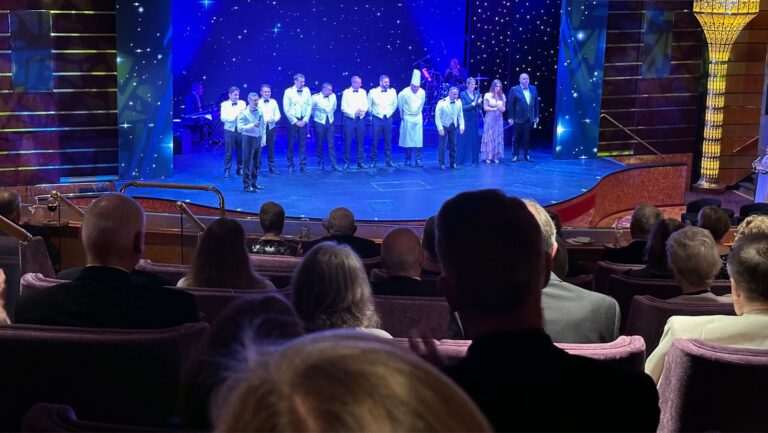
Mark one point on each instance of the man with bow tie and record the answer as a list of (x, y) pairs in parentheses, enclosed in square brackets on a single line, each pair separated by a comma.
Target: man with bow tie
[(297, 106), (230, 109), (383, 103), (354, 105), (271, 113), (250, 123), (449, 118), (323, 106)]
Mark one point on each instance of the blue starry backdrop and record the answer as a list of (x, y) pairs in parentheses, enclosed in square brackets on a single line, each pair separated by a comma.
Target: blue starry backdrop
[(244, 43), (509, 37)]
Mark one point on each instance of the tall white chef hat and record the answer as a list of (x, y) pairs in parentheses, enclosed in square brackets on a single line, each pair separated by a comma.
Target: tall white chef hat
[(416, 77)]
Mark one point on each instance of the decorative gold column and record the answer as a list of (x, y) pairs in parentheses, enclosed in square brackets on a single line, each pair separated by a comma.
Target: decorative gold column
[(722, 21)]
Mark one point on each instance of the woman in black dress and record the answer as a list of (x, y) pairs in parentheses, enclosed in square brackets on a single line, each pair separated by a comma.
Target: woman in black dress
[(468, 147)]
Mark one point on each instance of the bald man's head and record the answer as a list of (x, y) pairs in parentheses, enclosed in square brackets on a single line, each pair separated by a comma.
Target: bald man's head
[(401, 253), (113, 231), (10, 205), (341, 221)]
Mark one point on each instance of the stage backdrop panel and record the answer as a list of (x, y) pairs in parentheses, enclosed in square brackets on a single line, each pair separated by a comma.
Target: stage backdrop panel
[(235, 43), (57, 91)]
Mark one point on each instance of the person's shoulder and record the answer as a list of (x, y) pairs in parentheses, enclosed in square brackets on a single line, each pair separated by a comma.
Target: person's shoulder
[(579, 294)]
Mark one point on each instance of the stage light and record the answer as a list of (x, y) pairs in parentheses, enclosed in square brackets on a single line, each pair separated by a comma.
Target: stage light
[(722, 21)]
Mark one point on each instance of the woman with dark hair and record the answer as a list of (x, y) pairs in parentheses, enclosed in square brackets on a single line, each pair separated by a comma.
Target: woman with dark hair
[(657, 264), (331, 290), (468, 147), (716, 222), (272, 220), (222, 261)]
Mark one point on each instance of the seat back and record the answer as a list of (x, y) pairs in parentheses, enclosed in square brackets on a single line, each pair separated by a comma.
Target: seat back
[(649, 315), (34, 257), (625, 351), (407, 316), (710, 387), (288, 263), (212, 302), (756, 208), (585, 281), (604, 270), (46, 417), (170, 271), (32, 282), (696, 205), (279, 275), (120, 376)]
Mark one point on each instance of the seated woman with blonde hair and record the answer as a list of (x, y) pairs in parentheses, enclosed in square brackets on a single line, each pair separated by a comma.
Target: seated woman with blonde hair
[(222, 260), (331, 290), (340, 381)]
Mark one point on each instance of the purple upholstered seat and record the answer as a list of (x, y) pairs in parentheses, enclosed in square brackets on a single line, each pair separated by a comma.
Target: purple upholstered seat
[(171, 271), (407, 316), (585, 281), (212, 302), (46, 417), (32, 282), (649, 315), (604, 270), (120, 376), (709, 387), (277, 269), (625, 351)]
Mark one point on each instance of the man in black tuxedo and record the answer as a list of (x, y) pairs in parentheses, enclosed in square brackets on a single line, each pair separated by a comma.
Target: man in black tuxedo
[(103, 295), (402, 257), (494, 268), (523, 112), (644, 217), (341, 228)]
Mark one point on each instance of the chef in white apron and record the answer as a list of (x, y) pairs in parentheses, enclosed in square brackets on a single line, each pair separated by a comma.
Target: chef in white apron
[(410, 101)]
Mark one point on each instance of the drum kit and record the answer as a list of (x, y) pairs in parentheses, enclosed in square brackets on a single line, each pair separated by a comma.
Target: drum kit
[(436, 88)]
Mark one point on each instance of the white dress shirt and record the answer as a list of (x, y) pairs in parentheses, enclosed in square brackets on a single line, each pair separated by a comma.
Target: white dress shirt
[(527, 94), (382, 104), (447, 113), (297, 105), (323, 107), (270, 111), (352, 101), (229, 113)]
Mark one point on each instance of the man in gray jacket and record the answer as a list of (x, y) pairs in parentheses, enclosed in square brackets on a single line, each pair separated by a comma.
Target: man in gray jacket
[(573, 314)]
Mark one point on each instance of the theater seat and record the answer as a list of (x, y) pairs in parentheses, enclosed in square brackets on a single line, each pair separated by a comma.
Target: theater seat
[(212, 302), (46, 417), (117, 376), (170, 271), (408, 316), (32, 282), (604, 270), (649, 315), (279, 273), (585, 281), (709, 387)]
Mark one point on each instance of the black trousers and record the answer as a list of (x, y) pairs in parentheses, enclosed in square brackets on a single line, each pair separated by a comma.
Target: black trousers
[(232, 142), (354, 128), (324, 132), (411, 150), (271, 146), (301, 132), (522, 137), (251, 159), (449, 138), (381, 127)]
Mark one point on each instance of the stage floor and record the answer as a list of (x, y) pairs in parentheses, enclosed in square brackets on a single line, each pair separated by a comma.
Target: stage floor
[(401, 193)]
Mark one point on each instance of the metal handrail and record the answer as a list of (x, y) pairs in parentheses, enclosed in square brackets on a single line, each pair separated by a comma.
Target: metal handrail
[(15, 231), (190, 216), (61, 199), (745, 144), (141, 184), (612, 120)]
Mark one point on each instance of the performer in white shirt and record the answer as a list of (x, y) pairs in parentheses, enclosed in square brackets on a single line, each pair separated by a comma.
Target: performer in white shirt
[(271, 113), (354, 105), (382, 102), (229, 111), (250, 123), (411, 103), (323, 106), (297, 106), (449, 119)]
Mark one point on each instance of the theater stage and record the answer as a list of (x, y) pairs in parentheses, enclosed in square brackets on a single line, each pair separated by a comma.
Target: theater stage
[(402, 193)]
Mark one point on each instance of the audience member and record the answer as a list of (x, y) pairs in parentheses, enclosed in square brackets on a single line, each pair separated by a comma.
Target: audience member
[(644, 217), (221, 260), (402, 256), (657, 265), (343, 381), (692, 255), (717, 222), (753, 224), (10, 208), (431, 264), (272, 220), (573, 314), (3, 314), (341, 229), (495, 266), (331, 290), (103, 294), (249, 323), (748, 268)]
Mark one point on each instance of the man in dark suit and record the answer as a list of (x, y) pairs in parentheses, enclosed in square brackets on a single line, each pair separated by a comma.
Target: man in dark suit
[(341, 228), (644, 217), (523, 112), (402, 257), (103, 295), (494, 268)]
